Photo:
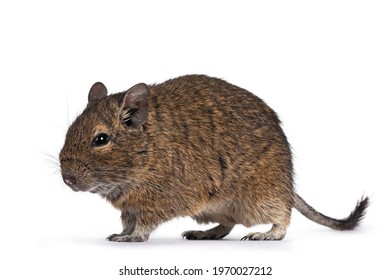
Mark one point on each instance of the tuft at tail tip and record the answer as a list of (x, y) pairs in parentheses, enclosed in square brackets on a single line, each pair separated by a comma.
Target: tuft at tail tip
[(356, 216)]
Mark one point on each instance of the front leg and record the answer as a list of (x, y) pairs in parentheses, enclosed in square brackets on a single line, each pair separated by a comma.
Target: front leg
[(135, 228), (129, 220)]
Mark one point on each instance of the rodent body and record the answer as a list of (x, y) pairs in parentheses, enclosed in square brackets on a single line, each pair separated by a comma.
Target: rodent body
[(192, 146)]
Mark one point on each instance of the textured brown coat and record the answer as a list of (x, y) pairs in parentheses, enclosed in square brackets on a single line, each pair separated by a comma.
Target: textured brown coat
[(192, 146)]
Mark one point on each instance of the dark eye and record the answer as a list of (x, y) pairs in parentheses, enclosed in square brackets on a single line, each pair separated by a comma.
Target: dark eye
[(100, 140)]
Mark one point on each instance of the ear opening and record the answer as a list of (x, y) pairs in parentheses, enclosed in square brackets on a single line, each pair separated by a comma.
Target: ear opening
[(97, 91), (135, 106)]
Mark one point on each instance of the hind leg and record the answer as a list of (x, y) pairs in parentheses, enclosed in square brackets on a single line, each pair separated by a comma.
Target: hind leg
[(217, 232), (277, 232)]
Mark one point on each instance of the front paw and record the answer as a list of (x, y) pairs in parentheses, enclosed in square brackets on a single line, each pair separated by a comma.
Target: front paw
[(125, 238)]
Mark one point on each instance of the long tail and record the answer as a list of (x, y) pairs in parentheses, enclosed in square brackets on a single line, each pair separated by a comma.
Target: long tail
[(348, 223)]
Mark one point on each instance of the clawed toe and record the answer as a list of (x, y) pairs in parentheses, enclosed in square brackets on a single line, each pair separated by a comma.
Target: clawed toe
[(256, 236), (125, 238), (193, 235), (262, 236), (215, 233)]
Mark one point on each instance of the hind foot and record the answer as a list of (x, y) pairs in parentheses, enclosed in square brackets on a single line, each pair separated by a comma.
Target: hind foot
[(275, 233), (217, 232)]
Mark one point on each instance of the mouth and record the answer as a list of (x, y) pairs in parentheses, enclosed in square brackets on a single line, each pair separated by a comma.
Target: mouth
[(74, 184), (94, 190), (78, 186), (106, 191), (99, 189)]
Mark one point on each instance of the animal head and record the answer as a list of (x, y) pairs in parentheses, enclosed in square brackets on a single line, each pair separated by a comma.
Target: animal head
[(103, 145)]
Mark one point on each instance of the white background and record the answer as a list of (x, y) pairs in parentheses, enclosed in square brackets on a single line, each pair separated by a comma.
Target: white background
[(324, 66)]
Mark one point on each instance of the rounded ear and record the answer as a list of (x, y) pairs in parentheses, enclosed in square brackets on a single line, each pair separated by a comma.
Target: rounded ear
[(135, 106), (97, 91)]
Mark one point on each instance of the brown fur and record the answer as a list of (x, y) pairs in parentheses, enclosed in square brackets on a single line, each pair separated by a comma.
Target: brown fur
[(192, 146)]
